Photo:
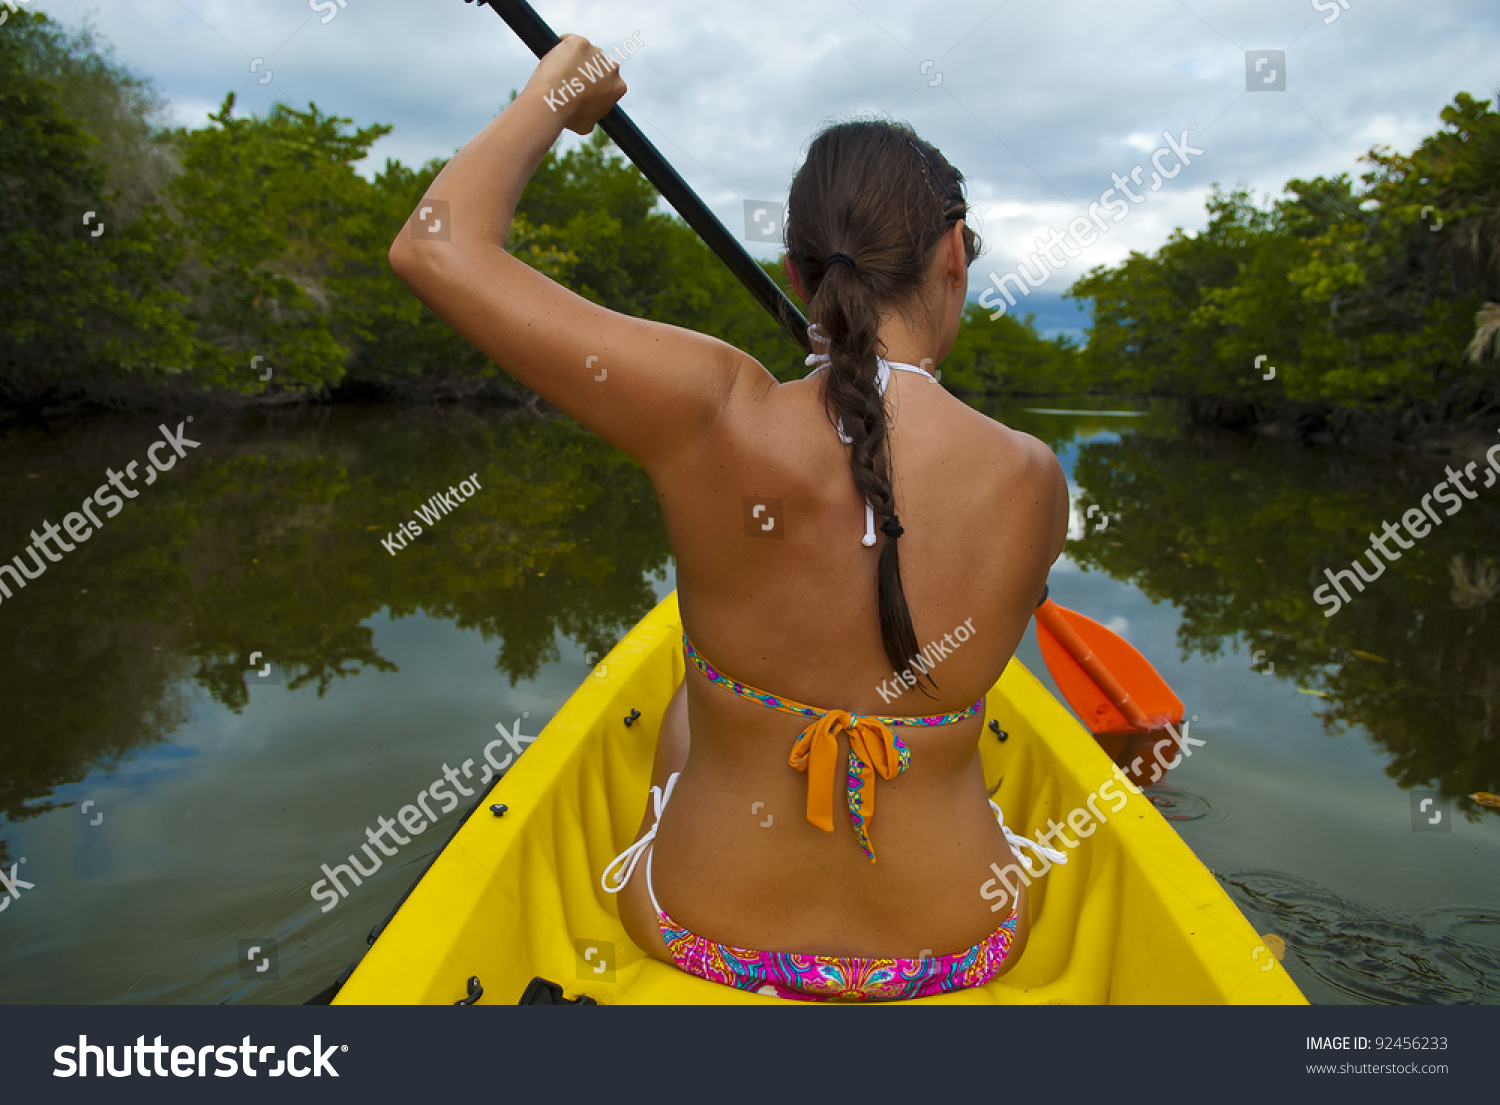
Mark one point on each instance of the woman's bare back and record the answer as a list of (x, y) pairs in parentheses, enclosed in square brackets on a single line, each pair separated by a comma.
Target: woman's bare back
[(792, 609), (984, 510)]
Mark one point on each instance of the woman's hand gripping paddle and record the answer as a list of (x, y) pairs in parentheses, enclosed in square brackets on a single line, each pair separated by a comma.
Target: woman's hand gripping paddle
[(1112, 688), (533, 31), (1109, 684)]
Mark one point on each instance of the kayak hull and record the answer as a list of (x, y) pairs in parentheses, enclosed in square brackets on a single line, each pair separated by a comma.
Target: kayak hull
[(1133, 917)]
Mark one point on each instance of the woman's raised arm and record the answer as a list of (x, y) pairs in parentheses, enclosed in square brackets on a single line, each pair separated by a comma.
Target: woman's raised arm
[(646, 387)]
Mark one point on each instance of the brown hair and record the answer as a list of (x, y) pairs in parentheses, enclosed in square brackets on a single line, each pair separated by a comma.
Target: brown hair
[(876, 193)]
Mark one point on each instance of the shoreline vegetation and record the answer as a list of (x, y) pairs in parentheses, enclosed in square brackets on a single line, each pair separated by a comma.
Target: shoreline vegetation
[(1363, 314), (243, 263)]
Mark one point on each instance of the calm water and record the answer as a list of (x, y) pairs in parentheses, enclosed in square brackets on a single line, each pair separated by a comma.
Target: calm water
[(172, 807)]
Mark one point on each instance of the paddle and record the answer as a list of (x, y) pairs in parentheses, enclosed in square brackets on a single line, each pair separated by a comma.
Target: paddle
[(540, 38), (1091, 665), (1106, 680)]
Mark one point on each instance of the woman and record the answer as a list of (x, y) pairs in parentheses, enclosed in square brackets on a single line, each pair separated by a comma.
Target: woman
[(858, 540)]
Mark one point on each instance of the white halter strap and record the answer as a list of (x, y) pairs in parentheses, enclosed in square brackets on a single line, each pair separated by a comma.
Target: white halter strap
[(818, 361)]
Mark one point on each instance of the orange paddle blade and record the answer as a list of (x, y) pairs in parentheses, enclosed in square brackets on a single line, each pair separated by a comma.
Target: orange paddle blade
[(1073, 644)]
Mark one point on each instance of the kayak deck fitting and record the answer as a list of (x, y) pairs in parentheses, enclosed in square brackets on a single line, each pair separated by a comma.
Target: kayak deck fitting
[(1133, 918)]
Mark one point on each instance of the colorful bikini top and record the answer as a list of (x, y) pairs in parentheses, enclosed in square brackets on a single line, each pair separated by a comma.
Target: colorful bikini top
[(873, 749)]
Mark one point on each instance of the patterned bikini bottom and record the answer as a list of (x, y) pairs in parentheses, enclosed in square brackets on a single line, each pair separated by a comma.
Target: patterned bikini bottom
[(817, 977), (836, 978)]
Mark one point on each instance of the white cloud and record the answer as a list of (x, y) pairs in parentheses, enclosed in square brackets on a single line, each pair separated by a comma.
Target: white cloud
[(1038, 103)]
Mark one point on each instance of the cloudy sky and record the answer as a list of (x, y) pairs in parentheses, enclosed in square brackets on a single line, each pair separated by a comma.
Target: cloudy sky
[(1038, 102)]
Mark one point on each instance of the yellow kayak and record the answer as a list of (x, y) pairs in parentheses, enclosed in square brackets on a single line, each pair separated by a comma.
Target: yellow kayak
[(1133, 917)]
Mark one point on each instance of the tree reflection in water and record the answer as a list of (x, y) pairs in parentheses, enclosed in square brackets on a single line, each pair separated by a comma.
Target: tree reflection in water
[(1236, 532), (268, 539)]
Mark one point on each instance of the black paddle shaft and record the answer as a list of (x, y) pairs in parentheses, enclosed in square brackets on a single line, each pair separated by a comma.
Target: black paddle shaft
[(533, 31)]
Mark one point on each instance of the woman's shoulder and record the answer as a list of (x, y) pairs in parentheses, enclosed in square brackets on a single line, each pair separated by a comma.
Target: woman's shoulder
[(1020, 475), (1020, 455)]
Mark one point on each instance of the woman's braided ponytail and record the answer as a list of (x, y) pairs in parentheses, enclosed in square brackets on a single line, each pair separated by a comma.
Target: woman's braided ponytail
[(867, 208)]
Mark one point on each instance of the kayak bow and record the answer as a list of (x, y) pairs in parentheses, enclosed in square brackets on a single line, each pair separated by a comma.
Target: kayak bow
[(1134, 918)]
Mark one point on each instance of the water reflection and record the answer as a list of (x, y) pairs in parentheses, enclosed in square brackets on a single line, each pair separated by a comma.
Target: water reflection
[(269, 540), (126, 673), (1355, 952), (1236, 531), (1082, 419)]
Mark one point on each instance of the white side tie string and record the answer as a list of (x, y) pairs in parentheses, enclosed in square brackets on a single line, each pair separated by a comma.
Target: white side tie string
[(1017, 840), (632, 855)]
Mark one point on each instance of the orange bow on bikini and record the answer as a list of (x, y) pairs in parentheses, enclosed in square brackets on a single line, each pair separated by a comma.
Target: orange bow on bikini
[(872, 748)]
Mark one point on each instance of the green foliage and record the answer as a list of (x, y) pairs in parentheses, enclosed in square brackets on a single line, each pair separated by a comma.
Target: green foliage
[(76, 306), (1355, 297), (595, 209), (1008, 357), (270, 209), (257, 237), (1236, 532), (122, 112)]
